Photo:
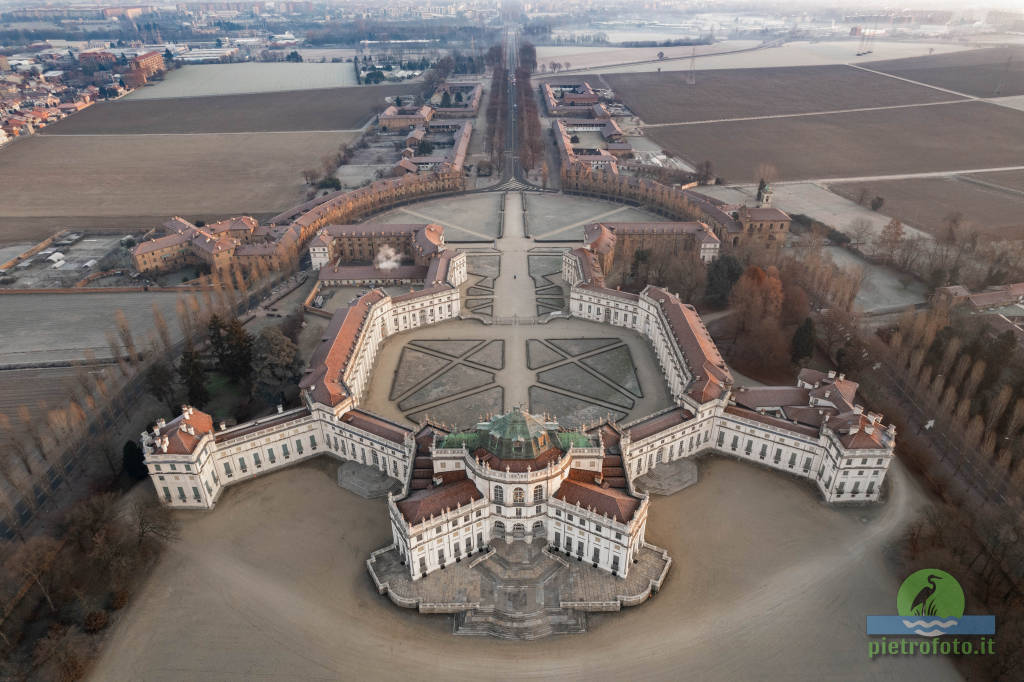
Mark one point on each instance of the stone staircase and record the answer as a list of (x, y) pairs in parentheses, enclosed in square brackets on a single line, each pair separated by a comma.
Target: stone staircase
[(524, 586)]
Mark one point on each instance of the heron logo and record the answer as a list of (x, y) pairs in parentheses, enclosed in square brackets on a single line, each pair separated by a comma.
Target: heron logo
[(930, 603), (930, 592)]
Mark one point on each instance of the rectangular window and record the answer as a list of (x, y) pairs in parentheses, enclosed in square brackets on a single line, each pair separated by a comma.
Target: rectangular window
[(241, 464), (735, 442), (312, 442), (156, 467), (792, 460), (270, 455), (284, 450), (181, 493), (807, 465), (597, 555), (871, 487), (167, 494), (174, 467), (227, 468), (615, 563), (778, 455), (188, 467), (721, 438), (256, 459), (195, 493), (298, 446), (764, 450)]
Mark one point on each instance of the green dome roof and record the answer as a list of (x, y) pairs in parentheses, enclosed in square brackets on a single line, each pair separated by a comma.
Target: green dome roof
[(514, 435)]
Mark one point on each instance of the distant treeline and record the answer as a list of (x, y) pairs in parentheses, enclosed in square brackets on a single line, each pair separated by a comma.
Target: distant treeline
[(682, 42), (350, 33)]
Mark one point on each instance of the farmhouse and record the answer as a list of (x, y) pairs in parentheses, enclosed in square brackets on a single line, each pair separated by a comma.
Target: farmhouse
[(567, 98), (619, 243), (454, 100)]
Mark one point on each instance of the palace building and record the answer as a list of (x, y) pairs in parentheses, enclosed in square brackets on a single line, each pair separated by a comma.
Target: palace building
[(522, 476)]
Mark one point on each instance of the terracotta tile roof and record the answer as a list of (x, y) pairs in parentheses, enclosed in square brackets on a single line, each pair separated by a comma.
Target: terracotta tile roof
[(658, 423), (753, 397), (599, 238), (370, 272), (456, 490), (711, 375), (378, 426), (700, 231), (580, 488), (160, 243), (550, 455), (184, 432), (772, 421), (325, 376)]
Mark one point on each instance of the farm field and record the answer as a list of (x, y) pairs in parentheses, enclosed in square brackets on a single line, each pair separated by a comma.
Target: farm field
[(800, 53), (995, 72), (589, 57), (327, 109), (36, 325), (1008, 179), (925, 202), (869, 143), (230, 79), (136, 175), (666, 97)]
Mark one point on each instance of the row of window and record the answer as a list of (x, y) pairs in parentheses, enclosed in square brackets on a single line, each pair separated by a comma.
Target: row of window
[(271, 456), (583, 523), (518, 495)]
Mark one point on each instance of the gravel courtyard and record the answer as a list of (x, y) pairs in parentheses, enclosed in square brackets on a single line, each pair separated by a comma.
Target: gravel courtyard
[(768, 583)]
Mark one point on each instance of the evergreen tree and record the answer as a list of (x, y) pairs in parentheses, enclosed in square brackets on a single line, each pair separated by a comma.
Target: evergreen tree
[(218, 344), (192, 377), (238, 359), (159, 382), (275, 364), (803, 341), (722, 275), (132, 460)]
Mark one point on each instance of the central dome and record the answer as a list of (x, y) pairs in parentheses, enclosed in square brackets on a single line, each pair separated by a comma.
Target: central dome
[(517, 435)]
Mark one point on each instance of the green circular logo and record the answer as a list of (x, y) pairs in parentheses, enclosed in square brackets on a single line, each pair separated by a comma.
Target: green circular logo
[(930, 592)]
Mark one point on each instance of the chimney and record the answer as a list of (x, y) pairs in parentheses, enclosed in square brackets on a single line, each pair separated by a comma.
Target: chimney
[(841, 377), (831, 374), (223, 425), (160, 423), (280, 409), (858, 409), (869, 429), (854, 429), (163, 444), (437, 480)]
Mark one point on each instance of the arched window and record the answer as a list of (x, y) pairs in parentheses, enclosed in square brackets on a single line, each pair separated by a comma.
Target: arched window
[(518, 496), (499, 527), (519, 530), (660, 453), (538, 493), (499, 494)]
